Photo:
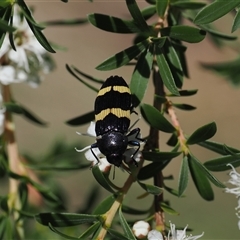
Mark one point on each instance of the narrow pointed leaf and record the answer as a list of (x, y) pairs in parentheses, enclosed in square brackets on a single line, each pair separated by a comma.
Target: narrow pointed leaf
[(105, 205), (113, 24), (184, 33), (212, 178), (78, 78), (148, 12), (140, 77), (90, 230), (186, 4), (151, 169), (161, 6), (174, 64), (133, 211), (65, 219), (185, 93), (159, 156), (137, 15), (172, 191), (215, 10), (151, 188), (156, 119), (116, 235), (200, 180), (183, 177), (167, 209), (217, 147), (208, 28), (41, 38), (203, 133), (166, 73), (184, 106), (236, 21), (220, 164), (89, 77), (19, 109), (83, 119), (4, 27), (60, 233), (123, 57), (101, 179), (126, 228)]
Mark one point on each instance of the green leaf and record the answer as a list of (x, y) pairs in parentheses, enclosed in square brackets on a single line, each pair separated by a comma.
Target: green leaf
[(203, 133), (113, 24), (212, 178), (152, 169), (3, 223), (174, 64), (200, 180), (161, 6), (183, 176), (6, 15), (156, 119), (127, 230), (236, 21), (83, 119), (60, 233), (140, 77), (208, 28), (65, 22), (90, 231), (184, 33), (151, 188), (65, 219), (123, 57), (116, 235), (184, 106), (101, 179), (186, 4), (159, 156), (220, 164), (167, 209), (218, 147), (166, 73), (19, 109), (137, 15), (148, 12), (40, 37), (4, 27), (105, 205), (133, 211), (215, 10), (229, 70), (171, 191), (184, 93), (70, 70), (89, 77)]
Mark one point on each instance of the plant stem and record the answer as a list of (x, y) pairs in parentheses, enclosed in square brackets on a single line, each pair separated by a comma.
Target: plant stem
[(14, 164)]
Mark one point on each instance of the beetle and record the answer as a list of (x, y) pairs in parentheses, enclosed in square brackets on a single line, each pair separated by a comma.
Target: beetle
[(113, 107)]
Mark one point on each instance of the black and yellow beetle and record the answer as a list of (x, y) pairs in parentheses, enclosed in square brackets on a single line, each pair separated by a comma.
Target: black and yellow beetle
[(113, 107)]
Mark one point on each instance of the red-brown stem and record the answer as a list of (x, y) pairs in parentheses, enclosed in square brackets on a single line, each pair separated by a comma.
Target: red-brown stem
[(14, 162)]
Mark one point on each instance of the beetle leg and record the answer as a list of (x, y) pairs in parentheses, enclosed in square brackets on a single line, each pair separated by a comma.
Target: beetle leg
[(94, 145)]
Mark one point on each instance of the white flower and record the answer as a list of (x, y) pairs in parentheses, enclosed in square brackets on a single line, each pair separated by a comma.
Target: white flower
[(141, 229), (154, 235), (174, 234), (235, 180), (28, 60), (103, 163)]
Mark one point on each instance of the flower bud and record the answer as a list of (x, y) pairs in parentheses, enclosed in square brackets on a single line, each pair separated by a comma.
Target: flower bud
[(141, 229)]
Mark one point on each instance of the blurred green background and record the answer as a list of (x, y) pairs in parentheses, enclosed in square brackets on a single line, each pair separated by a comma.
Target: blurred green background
[(61, 97)]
